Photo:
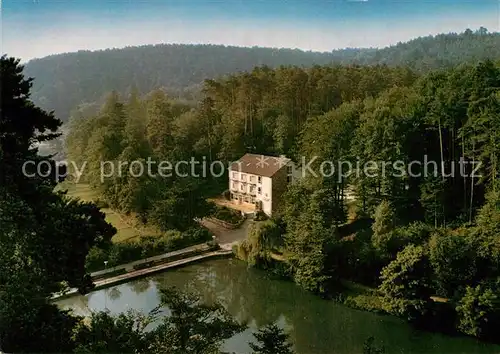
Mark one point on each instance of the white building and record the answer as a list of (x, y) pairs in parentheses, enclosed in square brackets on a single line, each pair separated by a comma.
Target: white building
[(258, 181)]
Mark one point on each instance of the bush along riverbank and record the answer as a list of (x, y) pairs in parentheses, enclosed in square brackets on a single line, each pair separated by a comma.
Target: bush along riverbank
[(406, 286), (147, 246), (125, 272)]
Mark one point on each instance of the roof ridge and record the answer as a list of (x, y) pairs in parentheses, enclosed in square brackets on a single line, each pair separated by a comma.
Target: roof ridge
[(259, 164)]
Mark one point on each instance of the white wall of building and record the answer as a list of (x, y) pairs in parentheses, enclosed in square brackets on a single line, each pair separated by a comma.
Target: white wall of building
[(263, 189)]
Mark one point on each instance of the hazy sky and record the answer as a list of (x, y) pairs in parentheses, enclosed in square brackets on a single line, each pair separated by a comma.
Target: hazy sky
[(36, 28)]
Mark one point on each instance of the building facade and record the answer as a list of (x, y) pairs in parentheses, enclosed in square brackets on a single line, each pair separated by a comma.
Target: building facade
[(258, 181)]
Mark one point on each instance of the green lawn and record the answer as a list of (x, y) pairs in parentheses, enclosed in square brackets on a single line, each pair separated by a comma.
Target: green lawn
[(126, 225)]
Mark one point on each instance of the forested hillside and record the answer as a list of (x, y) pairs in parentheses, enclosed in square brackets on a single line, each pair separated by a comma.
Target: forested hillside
[(263, 111), (434, 52), (413, 232), (45, 238), (67, 80)]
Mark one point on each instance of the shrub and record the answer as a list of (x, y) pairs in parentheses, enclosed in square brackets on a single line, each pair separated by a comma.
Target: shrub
[(228, 215), (260, 216), (95, 259), (124, 252), (479, 311), (197, 235), (213, 245), (453, 260), (145, 247), (405, 284), (101, 204), (395, 240), (252, 249), (371, 303), (417, 233), (151, 246), (174, 240)]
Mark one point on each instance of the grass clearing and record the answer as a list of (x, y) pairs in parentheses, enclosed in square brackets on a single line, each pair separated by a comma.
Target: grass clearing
[(127, 226)]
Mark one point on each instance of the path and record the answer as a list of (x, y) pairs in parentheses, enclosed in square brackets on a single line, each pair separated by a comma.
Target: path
[(129, 266), (227, 237), (104, 283)]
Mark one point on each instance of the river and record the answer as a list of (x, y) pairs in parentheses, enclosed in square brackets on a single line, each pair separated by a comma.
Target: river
[(316, 326)]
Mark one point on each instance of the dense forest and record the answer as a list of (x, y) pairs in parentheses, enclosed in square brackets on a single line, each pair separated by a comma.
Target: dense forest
[(262, 111), (45, 237), (67, 80), (412, 235), (427, 243)]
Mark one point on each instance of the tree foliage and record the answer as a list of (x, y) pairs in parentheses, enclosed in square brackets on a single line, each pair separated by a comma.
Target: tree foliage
[(479, 310), (271, 339), (189, 327), (445, 241), (405, 283), (44, 236), (66, 80)]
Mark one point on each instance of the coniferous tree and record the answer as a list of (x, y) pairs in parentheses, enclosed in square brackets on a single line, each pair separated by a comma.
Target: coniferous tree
[(271, 340)]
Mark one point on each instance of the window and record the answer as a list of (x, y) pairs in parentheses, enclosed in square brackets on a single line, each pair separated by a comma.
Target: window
[(235, 175), (243, 177), (259, 190), (289, 170), (252, 178), (288, 179), (252, 189), (260, 179), (241, 187)]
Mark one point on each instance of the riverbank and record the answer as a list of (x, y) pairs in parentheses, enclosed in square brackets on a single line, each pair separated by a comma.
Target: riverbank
[(225, 240), (440, 314), (253, 296), (146, 267), (166, 257)]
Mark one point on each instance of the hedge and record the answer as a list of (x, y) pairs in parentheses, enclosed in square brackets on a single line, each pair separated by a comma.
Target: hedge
[(228, 215), (145, 247)]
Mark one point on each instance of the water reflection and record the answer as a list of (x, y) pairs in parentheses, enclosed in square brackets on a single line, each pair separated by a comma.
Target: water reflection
[(140, 285), (316, 326), (114, 293)]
